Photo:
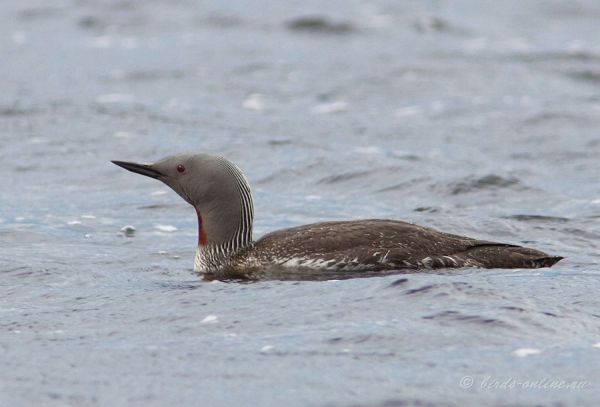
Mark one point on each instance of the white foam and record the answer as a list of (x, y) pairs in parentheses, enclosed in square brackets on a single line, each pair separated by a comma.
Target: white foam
[(165, 228), (331, 107), (408, 111), (524, 352), (122, 134), (368, 150), (210, 319), (313, 197), (255, 101), (37, 140)]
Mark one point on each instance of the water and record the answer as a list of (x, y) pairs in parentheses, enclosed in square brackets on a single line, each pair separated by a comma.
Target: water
[(477, 118)]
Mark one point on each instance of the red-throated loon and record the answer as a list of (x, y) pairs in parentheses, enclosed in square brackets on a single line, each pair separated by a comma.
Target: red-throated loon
[(220, 194)]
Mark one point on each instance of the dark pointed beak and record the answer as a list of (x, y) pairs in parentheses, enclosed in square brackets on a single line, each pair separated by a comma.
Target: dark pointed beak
[(143, 169)]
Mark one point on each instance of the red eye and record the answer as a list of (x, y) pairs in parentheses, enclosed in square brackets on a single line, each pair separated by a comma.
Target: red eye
[(180, 168)]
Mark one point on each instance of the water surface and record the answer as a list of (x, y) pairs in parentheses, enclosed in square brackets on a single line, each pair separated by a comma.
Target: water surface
[(477, 118)]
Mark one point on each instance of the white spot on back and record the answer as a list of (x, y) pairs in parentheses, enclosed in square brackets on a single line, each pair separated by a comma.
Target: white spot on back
[(452, 260), (427, 262)]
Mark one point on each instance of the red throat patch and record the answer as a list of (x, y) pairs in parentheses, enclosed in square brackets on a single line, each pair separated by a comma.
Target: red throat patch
[(201, 231)]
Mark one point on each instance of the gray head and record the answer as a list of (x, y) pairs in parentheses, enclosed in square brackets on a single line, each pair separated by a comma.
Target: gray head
[(215, 187)]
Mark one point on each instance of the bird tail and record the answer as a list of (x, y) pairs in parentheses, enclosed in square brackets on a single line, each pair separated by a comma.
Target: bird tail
[(490, 255), (547, 261)]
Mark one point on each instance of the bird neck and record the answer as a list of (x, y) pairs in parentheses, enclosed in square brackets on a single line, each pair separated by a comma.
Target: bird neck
[(225, 227)]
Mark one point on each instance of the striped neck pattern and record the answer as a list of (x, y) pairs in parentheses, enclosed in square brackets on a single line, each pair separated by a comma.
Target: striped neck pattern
[(213, 257)]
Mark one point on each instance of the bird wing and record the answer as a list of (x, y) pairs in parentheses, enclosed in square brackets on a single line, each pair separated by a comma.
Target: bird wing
[(385, 244)]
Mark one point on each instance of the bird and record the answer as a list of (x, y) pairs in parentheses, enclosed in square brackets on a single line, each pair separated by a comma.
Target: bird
[(220, 194)]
